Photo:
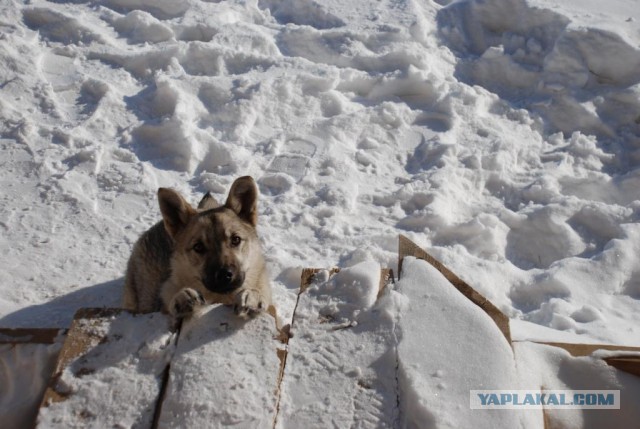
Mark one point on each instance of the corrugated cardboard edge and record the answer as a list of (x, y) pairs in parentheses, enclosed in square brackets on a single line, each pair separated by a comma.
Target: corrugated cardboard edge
[(629, 364), (406, 247), (30, 335), (578, 350), (622, 360)]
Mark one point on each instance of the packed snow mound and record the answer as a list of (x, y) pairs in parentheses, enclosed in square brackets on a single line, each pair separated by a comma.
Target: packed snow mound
[(348, 293), (224, 372)]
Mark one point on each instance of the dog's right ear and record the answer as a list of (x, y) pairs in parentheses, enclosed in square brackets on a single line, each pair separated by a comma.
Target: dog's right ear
[(176, 212), (243, 199)]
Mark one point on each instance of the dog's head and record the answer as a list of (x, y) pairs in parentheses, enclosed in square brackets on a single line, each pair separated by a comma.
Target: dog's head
[(214, 245)]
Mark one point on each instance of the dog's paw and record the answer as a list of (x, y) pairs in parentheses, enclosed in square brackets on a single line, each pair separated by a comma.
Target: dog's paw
[(185, 302), (249, 302)]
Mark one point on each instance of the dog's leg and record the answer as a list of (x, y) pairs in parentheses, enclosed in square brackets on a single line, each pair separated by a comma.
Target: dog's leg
[(250, 302), (185, 302)]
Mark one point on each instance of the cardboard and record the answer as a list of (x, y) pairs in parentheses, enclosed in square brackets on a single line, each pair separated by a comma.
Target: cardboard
[(629, 364), (408, 248), (32, 353), (578, 350), (81, 340), (622, 361), (138, 345), (227, 357), (77, 342), (30, 336)]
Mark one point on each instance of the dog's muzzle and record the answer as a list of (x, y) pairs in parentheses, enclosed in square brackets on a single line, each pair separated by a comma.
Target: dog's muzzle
[(223, 279)]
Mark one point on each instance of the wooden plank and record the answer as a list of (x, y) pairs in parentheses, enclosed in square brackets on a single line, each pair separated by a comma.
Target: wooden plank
[(106, 352), (409, 248)]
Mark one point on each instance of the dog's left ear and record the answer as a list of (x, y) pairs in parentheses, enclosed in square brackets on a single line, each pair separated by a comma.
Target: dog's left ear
[(176, 212), (243, 199)]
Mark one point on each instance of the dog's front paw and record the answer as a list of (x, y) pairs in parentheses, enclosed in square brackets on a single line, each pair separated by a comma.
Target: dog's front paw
[(185, 302), (249, 302)]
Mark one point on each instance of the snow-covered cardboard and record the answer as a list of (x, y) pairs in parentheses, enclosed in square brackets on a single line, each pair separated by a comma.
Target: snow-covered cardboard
[(106, 352), (214, 352), (407, 247), (624, 358), (447, 347), (224, 372)]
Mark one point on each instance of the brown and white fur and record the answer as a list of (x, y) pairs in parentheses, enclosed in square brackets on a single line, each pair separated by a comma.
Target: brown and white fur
[(193, 257)]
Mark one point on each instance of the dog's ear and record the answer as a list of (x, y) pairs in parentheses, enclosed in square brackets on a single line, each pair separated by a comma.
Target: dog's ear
[(176, 212), (243, 199), (207, 202)]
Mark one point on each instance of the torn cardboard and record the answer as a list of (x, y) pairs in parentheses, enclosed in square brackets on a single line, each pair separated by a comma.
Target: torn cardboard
[(105, 352), (31, 355), (622, 361), (409, 248), (30, 335)]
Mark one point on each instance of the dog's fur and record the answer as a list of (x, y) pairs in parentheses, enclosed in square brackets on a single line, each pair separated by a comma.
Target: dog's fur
[(193, 257)]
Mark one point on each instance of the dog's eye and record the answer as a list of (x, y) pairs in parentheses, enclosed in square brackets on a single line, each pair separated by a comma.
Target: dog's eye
[(199, 247), (235, 240)]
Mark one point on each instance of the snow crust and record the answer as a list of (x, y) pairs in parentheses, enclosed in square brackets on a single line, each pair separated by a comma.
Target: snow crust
[(224, 373), (117, 383), (341, 360), (447, 347)]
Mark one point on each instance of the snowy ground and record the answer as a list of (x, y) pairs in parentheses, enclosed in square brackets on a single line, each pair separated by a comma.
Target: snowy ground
[(504, 136)]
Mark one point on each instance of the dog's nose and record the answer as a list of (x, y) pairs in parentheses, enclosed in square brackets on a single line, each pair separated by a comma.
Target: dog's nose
[(224, 275), (223, 279)]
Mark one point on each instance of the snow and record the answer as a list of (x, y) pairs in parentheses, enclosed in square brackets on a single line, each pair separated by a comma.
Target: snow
[(116, 382), (447, 347), (341, 359), (554, 368), (503, 136), (224, 373)]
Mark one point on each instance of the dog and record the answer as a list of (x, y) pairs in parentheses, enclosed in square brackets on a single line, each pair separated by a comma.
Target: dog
[(192, 257)]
